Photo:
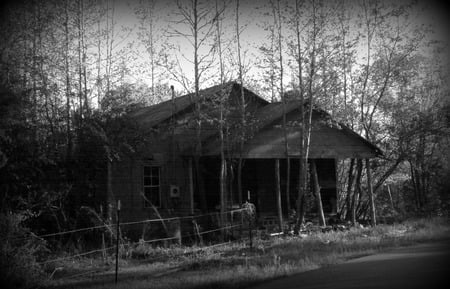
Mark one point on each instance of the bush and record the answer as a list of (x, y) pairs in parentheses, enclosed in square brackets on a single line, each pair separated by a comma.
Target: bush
[(19, 252)]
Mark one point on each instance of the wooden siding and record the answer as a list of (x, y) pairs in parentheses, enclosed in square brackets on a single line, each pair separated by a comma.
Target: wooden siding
[(174, 135), (127, 184)]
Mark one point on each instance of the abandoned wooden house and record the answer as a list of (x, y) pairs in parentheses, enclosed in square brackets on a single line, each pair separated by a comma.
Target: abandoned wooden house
[(178, 169)]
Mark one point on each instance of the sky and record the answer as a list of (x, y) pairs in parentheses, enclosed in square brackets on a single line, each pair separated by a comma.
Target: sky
[(432, 13), (253, 15)]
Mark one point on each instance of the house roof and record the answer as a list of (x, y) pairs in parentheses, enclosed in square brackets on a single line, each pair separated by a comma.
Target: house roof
[(329, 138), (274, 111), (158, 113)]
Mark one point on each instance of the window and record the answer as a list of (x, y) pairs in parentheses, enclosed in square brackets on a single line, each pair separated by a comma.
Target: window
[(152, 188)]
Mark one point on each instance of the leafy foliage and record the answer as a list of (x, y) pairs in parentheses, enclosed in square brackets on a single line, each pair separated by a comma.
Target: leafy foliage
[(19, 252)]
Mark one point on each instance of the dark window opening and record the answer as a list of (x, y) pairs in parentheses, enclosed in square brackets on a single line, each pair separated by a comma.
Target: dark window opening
[(152, 186)]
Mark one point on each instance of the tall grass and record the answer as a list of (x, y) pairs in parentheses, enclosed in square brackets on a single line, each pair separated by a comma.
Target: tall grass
[(234, 265)]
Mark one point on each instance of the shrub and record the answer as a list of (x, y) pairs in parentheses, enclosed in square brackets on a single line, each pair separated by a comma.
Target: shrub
[(19, 251)]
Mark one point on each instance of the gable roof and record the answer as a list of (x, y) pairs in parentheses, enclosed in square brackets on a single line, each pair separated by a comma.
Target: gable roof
[(158, 113), (274, 111), (329, 138)]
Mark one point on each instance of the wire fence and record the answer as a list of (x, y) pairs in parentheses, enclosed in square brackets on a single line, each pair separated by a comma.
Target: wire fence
[(113, 226), (127, 245), (97, 272)]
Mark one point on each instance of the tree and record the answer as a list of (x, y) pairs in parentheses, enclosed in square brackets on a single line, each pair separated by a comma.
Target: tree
[(222, 116), (197, 18), (151, 36), (67, 80), (419, 126), (316, 30), (297, 51), (278, 39), (242, 105)]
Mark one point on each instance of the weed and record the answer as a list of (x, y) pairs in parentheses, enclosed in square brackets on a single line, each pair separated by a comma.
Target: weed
[(234, 265), (19, 252)]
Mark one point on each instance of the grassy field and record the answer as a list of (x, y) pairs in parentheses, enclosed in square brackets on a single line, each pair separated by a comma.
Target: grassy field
[(235, 265)]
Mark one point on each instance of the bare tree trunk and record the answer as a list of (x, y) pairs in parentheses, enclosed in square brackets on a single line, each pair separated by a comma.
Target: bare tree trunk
[(317, 193), (278, 196), (356, 190), (109, 43), (80, 68), (242, 104), (198, 147), (302, 160), (83, 59), (109, 190), (344, 57), (67, 72), (415, 185), (312, 72), (278, 22), (99, 56), (34, 100), (388, 188), (223, 164), (367, 66), (373, 218), (151, 7), (388, 172), (348, 214)]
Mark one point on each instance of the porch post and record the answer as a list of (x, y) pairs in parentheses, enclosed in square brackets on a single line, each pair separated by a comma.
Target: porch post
[(373, 217), (317, 191), (278, 192), (191, 187)]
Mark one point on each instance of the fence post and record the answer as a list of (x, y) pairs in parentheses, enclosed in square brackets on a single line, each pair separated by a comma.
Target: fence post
[(103, 238), (117, 239), (250, 212), (250, 232)]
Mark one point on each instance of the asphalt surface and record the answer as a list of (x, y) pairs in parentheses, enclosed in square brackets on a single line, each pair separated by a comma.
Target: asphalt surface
[(424, 266)]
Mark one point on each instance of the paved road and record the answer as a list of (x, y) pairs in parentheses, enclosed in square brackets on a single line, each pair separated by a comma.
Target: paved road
[(424, 266)]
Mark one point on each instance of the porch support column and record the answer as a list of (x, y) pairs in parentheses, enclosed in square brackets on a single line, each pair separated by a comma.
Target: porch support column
[(278, 193), (223, 201), (191, 187), (373, 217), (317, 192)]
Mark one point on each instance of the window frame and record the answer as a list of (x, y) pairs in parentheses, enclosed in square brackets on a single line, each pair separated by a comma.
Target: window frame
[(151, 185)]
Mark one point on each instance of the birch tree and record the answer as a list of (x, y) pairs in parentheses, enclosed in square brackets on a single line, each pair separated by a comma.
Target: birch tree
[(316, 26), (197, 17), (242, 104), (222, 112), (297, 50)]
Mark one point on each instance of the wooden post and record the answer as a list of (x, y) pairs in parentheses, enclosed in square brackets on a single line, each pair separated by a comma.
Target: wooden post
[(348, 215), (223, 201), (250, 225), (117, 239), (373, 217), (103, 238), (390, 197), (191, 187), (278, 194), (109, 191), (356, 190), (317, 192)]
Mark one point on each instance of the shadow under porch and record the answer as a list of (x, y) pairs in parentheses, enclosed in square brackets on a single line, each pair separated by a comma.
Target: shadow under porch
[(259, 184)]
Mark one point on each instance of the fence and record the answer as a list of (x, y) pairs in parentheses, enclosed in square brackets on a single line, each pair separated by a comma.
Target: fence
[(106, 251)]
